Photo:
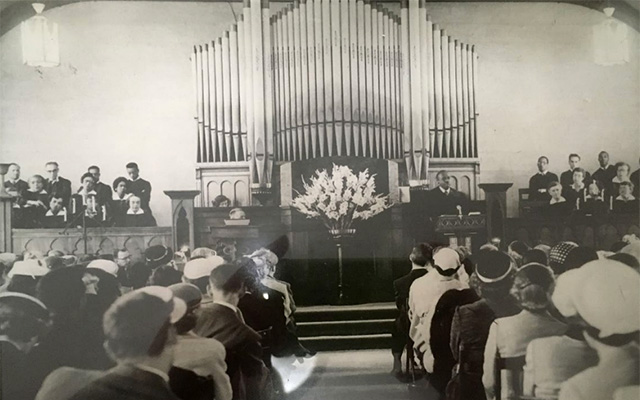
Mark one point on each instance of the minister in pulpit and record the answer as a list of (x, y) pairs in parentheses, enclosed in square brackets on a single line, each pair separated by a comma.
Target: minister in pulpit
[(445, 200)]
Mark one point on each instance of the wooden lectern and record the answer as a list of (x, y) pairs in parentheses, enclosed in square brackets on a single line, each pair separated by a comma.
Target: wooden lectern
[(460, 229)]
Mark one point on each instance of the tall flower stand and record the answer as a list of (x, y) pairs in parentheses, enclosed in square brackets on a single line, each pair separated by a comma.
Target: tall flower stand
[(338, 236)]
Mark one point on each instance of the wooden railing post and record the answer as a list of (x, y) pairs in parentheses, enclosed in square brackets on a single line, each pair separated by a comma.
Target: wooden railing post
[(496, 200), (182, 217)]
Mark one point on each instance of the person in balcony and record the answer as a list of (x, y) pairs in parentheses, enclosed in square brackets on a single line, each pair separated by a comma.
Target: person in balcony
[(625, 203), (13, 184), (605, 173), (623, 171), (136, 215), (576, 190), (56, 215), (35, 202), (119, 203), (57, 184), (221, 201), (566, 178), (138, 186), (593, 203), (539, 182), (87, 201), (558, 205)]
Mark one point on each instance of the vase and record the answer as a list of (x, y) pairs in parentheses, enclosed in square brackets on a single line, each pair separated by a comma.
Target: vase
[(338, 236)]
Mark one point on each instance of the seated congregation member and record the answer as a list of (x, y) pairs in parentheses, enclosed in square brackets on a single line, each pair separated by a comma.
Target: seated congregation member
[(55, 184), (140, 337), (566, 178), (25, 276), (86, 201), (510, 336), (35, 202), (103, 190), (165, 276), (539, 182), (136, 215), (576, 190), (623, 171), (492, 281), (625, 203), (204, 356), (421, 256), (605, 173), (516, 250), (603, 297), (267, 262), (223, 321), (552, 360), (23, 321), (558, 205), (536, 256), (119, 203), (424, 295), (138, 186), (56, 216), (197, 272), (445, 200), (558, 256)]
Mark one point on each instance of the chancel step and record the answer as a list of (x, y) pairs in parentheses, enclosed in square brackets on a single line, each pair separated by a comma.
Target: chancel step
[(328, 328)]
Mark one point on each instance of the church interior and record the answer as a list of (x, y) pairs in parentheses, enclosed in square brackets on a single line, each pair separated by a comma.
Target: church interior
[(202, 130)]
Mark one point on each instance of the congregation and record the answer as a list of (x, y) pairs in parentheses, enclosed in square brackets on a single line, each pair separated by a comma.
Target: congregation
[(525, 323), (175, 325), (610, 189), (51, 202)]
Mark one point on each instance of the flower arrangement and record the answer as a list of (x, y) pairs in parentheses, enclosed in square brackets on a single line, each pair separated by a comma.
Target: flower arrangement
[(340, 197)]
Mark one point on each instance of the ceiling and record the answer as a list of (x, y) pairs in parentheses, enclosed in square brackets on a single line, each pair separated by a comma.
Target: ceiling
[(12, 12)]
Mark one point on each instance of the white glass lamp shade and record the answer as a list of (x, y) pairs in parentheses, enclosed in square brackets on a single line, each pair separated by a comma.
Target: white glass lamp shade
[(40, 46)]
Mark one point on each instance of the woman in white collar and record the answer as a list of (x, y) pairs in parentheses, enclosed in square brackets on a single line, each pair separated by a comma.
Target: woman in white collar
[(558, 205), (622, 175), (625, 203), (577, 188), (36, 196), (120, 200), (136, 215)]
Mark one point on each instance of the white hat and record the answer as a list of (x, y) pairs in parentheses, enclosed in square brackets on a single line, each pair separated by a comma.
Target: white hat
[(605, 293), (30, 268), (179, 308), (105, 265), (201, 267), (446, 259)]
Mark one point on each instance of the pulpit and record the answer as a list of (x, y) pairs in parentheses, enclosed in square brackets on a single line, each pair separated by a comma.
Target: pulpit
[(461, 229)]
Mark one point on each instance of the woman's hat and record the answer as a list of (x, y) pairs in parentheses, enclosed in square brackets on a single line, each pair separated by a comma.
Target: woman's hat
[(446, 261), (158, 255), (493, 266)]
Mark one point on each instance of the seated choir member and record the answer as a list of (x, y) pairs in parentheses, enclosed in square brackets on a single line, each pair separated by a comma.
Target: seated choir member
[(510, 336), (56, 215), (138, 186), (34, 202), (136, 215), (57, 184), (14, 185), (539, 182), (558, 205), (223, 321), (623, 171), (221, 201), (593, 203), (577, 188), (635, 179), (86, 200), (23, 321), (603, 297), (625, 203), (566, 178), (119, 203), (420, 256), (605, 173), (104, 191)]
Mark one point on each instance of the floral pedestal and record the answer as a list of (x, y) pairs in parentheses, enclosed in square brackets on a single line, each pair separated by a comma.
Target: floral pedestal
[(338, 236)]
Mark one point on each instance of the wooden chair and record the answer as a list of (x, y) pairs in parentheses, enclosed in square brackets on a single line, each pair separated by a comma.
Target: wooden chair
[(509, 377)]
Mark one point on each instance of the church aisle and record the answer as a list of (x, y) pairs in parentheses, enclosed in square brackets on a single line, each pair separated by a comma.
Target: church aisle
[(350, 375)]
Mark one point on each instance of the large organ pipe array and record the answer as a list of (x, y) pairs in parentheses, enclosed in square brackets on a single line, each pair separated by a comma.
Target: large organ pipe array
[(325, 78)]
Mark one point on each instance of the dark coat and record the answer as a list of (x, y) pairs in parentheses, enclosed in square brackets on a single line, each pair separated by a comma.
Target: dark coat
[(104, 193), (133, 220), (402, 285), (16, 374), (635, 179), (16, 189), (626, 207), (61, 187), (244, 352), (604, 176), (566, 178), (142, 189), (539, 182), (400, 330), (442, 204), (126, 383)]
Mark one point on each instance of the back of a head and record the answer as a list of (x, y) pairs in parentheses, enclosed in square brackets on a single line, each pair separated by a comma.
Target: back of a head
[(165, 276), (23, 284), (626, 259), (22, 317), (535, 256), (532, 287), (422, 254), (578, 257), (493, 275), (138, 274), (228, 278), (62, 290), (558, 256), (518, 247), (202, 252)]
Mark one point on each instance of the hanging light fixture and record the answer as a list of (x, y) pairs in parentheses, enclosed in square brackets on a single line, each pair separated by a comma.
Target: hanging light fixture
[(40, 40)]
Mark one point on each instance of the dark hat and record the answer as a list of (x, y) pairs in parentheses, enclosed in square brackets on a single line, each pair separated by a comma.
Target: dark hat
[(493, 266), (25, 305), (558, 255), (578, 257), (158, 255), (189, 293)]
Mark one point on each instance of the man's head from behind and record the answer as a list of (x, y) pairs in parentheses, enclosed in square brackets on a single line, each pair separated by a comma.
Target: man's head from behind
[(442, 178), (543, 163), (13, 172), (421, 255), (23, 319), (138, 327), (228, 282), (132, 170)]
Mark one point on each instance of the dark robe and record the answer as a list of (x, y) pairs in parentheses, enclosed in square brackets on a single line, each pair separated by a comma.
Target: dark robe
[(16, 189), (558, 210), (30, 215), (625, 207), (50, 221), (61, 187), (538, 185), (604, 176), (400, 330), (573, 196), (76, 208), (566, 178), (104, 193), (142, 220), (635, 179), (443, 204), (142, 189), (244, 352), (593, 206), (118, 209)]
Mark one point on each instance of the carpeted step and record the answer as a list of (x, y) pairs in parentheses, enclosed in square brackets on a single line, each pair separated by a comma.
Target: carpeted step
[(346, 313), (347, 342), (350, 327)]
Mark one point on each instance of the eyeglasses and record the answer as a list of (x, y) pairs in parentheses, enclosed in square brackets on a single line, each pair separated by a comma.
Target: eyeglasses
[(52, 170)]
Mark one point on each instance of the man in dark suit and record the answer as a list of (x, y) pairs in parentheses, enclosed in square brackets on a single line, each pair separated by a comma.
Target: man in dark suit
[(223, 321), (566, 178), (605, 173), (138, 186), (13, 184), (55, 184), (420, 257), (445, 200), (140, 336), (539, 182), (104, 191)]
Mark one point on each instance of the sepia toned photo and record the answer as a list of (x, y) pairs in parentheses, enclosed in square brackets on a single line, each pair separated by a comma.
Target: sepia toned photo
[(320, 200)]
